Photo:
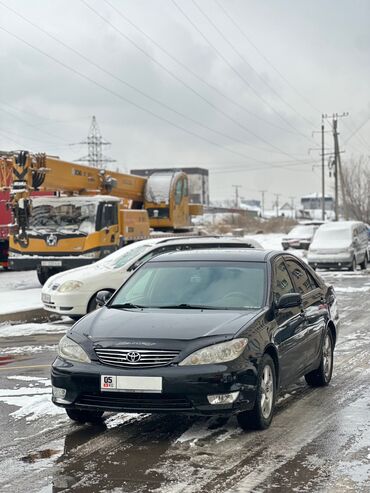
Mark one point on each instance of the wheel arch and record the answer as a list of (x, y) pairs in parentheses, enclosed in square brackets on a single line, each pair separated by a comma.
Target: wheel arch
[(272, 352), (331, 327), (94, 296)]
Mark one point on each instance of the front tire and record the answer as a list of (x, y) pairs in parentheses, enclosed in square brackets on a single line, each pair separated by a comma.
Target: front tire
[(322, 375), (260, 417), (363, 264), (353, 266), (85, 416)]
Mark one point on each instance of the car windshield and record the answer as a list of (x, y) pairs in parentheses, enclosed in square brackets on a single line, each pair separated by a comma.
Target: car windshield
[(122, 256), (64, 215), (302, 231), (203, 284), (325, 236)]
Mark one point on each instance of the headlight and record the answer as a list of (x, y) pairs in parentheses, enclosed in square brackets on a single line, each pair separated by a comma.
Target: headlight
[(68, 286), (95, 254), (218, 353), (71, 351)]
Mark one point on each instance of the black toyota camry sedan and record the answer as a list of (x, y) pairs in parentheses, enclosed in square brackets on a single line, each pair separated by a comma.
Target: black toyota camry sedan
[(200, 332)]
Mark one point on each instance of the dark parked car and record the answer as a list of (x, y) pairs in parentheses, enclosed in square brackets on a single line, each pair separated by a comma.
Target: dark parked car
[(200, 332)]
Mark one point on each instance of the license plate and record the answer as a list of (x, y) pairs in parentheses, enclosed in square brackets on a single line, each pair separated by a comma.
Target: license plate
[(130, 384), (51, 263), (45, 297)]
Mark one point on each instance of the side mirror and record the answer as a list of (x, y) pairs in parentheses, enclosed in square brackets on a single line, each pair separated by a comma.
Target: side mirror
[(102, 297), (289, 300)]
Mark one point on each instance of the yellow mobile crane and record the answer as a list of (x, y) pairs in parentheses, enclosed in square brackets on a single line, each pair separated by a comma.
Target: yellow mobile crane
[(92, 213)]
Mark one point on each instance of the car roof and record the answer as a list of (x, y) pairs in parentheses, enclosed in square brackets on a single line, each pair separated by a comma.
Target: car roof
[(235, 254), (181, 240), (339, 224)]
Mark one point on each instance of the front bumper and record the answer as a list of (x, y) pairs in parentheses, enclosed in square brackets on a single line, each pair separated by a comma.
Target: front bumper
[(304, 244), (60, 263), (184, 391), (330, 261), (74, 303)]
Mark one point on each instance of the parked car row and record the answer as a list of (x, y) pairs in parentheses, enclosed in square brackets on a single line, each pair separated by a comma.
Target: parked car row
[(340, 244), (73, 292)]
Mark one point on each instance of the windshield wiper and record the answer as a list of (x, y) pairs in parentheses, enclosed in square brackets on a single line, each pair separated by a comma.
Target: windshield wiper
[(186, 306), (126, 305)]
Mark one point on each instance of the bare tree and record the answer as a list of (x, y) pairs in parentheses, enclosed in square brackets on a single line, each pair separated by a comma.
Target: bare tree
[(356, 185)]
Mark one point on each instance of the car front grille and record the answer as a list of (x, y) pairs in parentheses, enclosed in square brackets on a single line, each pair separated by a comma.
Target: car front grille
[(116, 401), (130, 358)]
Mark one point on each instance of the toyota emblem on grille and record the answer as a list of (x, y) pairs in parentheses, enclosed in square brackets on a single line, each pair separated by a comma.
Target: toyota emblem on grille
[(133, 356)]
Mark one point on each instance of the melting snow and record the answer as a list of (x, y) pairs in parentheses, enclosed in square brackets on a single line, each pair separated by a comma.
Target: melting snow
[(33, 403), (7, 330)]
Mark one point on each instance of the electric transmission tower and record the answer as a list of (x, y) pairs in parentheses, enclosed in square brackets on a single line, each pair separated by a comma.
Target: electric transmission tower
[(95, 143)]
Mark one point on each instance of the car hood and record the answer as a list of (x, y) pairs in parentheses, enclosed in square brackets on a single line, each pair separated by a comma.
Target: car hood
[(111, 323), (87, 273)]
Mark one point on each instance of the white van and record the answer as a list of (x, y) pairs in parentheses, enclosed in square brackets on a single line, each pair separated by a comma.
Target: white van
[(339, 244)]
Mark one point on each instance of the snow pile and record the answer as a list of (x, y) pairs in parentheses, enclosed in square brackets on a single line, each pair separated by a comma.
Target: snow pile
[(20, 330), (33, 402)]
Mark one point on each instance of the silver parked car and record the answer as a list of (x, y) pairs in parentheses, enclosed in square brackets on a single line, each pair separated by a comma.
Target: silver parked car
[(339, 244)]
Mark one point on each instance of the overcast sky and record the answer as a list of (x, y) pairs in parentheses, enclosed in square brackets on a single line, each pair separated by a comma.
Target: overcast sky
[(235, 86)]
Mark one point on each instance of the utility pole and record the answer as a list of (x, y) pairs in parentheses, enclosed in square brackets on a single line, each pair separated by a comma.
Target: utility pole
[(338, 174), (263, 202), (338, 166), (277, 195), (322, 168), (237, 195)]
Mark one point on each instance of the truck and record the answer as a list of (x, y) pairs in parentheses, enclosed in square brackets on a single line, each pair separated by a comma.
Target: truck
[(92, 212)]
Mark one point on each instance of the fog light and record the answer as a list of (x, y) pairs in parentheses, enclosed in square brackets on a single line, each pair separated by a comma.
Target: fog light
[(59, 393), (223, 398)]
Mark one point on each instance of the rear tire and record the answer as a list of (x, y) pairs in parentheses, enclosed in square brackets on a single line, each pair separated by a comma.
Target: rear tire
[(85, 416), (260, 417), (322, 375)]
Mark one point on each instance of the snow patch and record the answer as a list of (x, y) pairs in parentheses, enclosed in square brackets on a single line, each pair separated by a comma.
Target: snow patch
[(19, 330), (196, 432), (33, 403)]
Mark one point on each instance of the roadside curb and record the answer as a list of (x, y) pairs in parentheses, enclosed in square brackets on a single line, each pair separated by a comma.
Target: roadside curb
[(33, 315)]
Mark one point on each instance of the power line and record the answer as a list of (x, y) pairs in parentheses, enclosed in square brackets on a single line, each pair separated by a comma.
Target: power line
[(231, 66), (242, 57), (114, 93), (194, 74), (99, 67), (267, 60), (184, 83), (357, 129)]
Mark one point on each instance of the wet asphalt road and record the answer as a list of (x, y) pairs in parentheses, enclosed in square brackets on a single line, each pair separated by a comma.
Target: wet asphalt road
[(319, 440)]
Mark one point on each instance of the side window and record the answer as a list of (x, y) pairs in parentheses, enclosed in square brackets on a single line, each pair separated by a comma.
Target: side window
[(109, 215), (178, 191), (186, 191), (281, 283), (303, 281)]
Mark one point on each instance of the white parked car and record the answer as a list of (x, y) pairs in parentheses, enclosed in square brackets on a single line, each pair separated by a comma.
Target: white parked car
[(73, 292)]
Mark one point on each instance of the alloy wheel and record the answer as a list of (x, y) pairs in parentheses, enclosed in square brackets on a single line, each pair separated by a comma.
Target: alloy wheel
[(267, 391)]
